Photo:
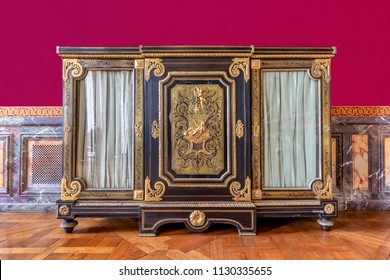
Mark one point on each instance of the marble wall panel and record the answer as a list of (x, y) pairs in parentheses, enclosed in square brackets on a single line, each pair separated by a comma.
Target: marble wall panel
[(18, 197), (360, 162), (387, 161)]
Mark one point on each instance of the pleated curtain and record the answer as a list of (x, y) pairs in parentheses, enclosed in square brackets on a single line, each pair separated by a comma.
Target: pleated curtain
[(291, 127), (105, 136)]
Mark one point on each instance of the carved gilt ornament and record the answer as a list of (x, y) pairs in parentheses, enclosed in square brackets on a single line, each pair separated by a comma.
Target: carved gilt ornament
[(197, 218), (241, 194), (319, 68), (70, 192), (155, 193), (240, 64), (239, 129), (73, 67), (155, 129), (154, 64), (64, 210)]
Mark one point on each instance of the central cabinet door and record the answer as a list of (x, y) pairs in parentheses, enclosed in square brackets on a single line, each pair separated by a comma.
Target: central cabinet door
[(197, 114)]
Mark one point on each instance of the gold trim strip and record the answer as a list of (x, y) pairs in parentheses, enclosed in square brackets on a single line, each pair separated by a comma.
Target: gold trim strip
[(31, 112), (153, 55), (287, 202), (361, 111), (292, 56)]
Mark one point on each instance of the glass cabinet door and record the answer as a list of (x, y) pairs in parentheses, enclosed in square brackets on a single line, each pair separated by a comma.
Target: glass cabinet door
[(291, 121), (105, 132)]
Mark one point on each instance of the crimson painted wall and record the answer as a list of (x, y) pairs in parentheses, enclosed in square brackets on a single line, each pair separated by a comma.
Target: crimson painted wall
[(30, 70)]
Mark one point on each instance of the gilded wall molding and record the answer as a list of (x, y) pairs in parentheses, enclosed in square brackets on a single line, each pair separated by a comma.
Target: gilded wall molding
[(361, 111), (56, 111), (240, 64), (31, 112), (154, 64)]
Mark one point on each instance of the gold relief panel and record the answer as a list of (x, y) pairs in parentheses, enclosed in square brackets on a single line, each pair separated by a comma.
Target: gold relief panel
[(195, 108), (360, 161), (197, 129)]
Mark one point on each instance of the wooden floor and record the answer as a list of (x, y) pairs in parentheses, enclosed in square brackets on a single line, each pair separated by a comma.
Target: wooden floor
[(356, 235)]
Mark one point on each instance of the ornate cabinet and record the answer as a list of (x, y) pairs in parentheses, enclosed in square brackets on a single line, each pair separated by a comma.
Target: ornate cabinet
[(196, 135)]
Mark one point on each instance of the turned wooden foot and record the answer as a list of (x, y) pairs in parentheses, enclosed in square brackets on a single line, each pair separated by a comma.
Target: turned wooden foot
[(68, 225), (325, 223)]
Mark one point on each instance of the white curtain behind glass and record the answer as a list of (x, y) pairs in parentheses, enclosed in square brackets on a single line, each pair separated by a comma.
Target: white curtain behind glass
[(291, 151), (105, 156)]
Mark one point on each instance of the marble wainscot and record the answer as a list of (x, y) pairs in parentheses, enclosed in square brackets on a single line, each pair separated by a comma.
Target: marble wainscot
[(30, 158), (361, 157)]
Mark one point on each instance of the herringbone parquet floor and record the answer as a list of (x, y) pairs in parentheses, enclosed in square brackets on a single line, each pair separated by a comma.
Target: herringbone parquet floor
[(356, 235)]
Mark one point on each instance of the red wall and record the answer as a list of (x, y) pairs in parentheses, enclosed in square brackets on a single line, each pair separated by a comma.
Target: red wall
[(30, 70)]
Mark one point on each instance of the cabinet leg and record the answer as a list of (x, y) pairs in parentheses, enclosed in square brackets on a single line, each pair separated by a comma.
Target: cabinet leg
[(68, 225), (325, 223)]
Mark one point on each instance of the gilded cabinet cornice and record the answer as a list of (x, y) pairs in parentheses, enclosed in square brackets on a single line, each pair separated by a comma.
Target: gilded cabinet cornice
[(241, 194), (319, 68), (155, 193), (154, 64), (31, 112), (70, 192), (73, 67), (240, 64)]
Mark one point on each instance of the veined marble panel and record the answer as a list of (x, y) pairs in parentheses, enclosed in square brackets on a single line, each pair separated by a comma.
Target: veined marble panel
[(16, 196), (386, 160), (2, 164), (334, 162), (360, 162)]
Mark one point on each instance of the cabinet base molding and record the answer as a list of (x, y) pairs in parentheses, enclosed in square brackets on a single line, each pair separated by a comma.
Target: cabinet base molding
[(198, 216)]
